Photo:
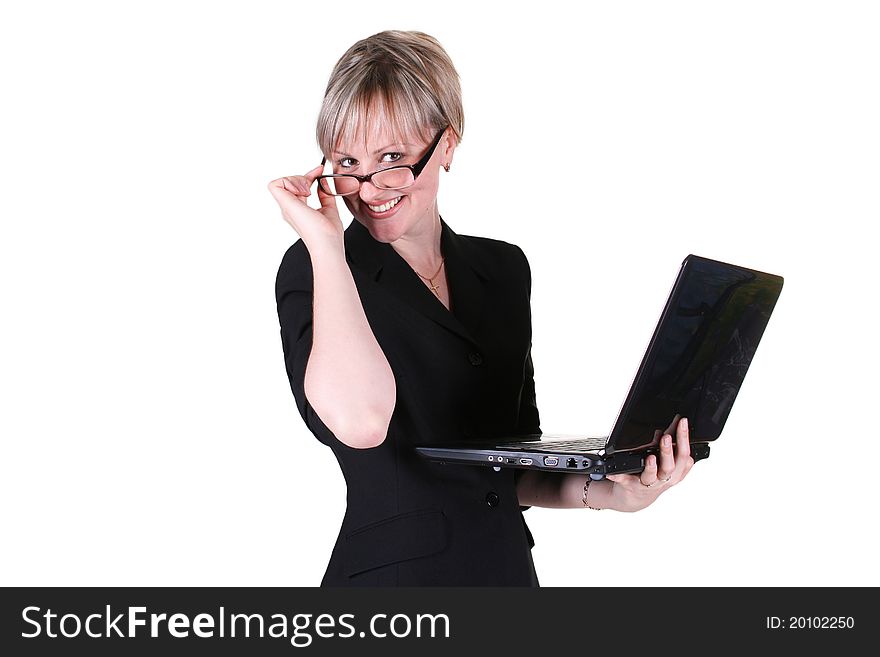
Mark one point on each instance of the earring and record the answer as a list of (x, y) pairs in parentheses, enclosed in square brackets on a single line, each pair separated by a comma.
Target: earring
[(446, 166)]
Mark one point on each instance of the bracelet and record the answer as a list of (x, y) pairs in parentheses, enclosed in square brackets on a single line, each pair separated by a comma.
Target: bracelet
[(586, 490)]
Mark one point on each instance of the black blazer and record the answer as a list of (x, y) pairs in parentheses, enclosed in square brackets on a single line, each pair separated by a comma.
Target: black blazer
[(460, 374)]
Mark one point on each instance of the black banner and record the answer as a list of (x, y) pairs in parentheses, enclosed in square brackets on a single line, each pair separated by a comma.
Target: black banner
[(277, 621)]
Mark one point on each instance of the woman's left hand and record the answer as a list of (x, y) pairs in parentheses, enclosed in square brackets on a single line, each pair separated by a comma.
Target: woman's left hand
[(632, 492)]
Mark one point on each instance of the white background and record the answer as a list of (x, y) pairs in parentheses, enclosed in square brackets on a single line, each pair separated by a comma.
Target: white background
[(149, 435)]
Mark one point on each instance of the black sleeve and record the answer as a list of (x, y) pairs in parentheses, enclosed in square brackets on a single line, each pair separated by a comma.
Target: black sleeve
[(293, 296), (528, 420)]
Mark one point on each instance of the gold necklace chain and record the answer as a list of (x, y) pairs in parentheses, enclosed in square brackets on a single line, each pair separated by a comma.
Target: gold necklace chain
[(430, 280)]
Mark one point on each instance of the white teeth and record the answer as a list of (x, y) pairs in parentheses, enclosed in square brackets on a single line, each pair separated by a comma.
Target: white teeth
[(386, 206)]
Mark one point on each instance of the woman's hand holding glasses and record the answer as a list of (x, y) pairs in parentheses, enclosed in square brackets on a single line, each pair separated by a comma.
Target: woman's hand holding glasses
[(316, 227)]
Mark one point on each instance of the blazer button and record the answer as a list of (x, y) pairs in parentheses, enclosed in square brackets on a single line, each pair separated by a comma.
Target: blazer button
[(475, 358), (492, 498)]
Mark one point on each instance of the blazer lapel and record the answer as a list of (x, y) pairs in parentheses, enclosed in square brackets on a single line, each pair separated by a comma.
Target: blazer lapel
[(464, 273), (467, 282)]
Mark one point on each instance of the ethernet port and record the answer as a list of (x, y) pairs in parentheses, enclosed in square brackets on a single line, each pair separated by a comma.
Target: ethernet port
[(571, 463)]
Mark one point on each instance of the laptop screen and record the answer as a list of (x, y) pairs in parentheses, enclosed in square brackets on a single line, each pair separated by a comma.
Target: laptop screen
[(699, 354)]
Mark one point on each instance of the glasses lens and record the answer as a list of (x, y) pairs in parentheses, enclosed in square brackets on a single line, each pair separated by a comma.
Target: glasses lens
[(394, 178), (340, 185)]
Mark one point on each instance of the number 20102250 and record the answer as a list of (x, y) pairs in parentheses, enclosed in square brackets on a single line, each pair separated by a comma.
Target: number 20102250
[(811, 623)]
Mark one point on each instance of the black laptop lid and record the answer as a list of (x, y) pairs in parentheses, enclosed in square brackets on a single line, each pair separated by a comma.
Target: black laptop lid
[(699, 353)]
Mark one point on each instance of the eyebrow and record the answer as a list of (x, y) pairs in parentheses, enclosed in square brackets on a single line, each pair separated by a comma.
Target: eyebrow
[(380, 151)]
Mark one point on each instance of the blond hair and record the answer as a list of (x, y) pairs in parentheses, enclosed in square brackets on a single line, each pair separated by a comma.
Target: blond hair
[(405, 77)]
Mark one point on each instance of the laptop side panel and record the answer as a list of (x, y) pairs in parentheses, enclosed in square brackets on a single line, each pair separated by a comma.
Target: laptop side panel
[(595, 465), (539, 459)]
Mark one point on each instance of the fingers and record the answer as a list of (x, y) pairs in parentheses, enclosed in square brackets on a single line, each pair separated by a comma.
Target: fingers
[(298, 185), (683, 460), (284, 188), (667, 460), (314, 173), (649, 474), (682, 440), (300, 188), (683, 446), (327, 200), (677, 463), (673, 463)]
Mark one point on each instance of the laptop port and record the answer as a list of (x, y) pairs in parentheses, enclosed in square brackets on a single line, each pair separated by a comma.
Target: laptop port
[(551, 460), (571, 463), (587, 463), (525, 461)]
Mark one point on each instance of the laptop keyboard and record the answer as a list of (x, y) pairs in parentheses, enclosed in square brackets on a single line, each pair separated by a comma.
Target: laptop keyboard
[(578, 444)]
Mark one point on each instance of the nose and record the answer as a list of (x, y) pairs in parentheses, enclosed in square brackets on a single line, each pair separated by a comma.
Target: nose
[(371, 194)]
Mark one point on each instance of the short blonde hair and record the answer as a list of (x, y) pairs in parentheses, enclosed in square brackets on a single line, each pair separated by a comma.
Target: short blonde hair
[(406, 77)]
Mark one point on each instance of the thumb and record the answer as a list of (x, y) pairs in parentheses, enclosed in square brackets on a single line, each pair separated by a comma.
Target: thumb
[(327, 200)]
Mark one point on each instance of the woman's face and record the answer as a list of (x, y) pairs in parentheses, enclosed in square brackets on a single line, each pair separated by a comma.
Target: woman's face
[(391, 214)]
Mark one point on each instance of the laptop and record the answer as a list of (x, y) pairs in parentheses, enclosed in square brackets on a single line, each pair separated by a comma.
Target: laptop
[(694, 367)]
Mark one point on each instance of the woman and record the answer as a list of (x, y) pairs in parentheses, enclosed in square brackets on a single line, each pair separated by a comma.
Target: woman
[(399, 332)]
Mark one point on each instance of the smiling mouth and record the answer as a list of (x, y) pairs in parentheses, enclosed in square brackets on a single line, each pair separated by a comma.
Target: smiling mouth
[(385, 206)]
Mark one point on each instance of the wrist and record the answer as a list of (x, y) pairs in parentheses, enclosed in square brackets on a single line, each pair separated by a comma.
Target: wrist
[(599, 494), (326, 247), (590, 493)]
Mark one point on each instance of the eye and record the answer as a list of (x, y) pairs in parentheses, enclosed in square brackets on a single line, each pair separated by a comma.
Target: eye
[(347, 163), (394, 157)]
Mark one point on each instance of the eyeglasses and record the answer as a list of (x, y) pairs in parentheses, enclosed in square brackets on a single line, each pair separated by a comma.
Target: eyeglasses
[(397, 177)]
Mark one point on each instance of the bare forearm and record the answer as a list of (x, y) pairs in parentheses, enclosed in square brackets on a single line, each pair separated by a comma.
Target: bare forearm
[(348, 380), (562, 491)]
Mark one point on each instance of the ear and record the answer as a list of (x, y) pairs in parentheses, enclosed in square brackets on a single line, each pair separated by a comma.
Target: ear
[(448, 143)]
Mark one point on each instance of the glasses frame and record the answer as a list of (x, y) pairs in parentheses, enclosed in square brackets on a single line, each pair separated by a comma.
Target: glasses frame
[(415, 168)]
